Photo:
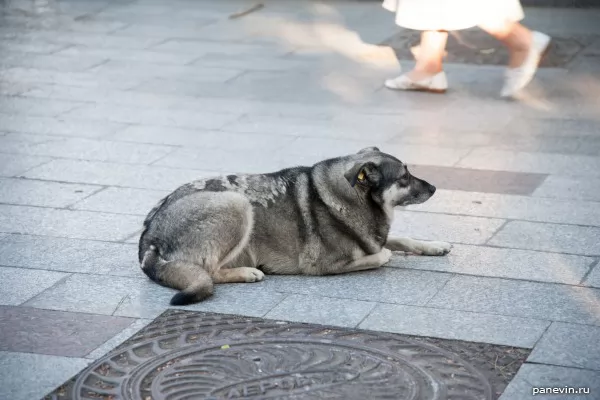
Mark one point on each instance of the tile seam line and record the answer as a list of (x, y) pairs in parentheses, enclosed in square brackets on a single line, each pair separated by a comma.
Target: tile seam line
[(593, 266), (285, 296), (498, 230), (94, 192), (375, 305), (70, 209), (25, 178), (54, 157), (58, 282), (451, 277), (563, 366), (46, 354)]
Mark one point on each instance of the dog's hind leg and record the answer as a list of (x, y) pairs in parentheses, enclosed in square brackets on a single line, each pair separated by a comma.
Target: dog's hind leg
[(420, 247), (194, 281)]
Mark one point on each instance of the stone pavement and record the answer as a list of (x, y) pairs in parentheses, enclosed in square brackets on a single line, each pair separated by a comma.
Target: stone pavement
[(107, 105)]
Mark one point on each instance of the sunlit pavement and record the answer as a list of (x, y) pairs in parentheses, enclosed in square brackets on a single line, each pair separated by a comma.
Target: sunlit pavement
[(105, 106)]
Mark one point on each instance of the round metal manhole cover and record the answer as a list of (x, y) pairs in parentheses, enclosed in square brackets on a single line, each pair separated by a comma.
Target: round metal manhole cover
[(184, 356)]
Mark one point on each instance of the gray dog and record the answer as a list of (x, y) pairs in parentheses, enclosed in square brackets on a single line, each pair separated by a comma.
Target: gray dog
[(331, 218)]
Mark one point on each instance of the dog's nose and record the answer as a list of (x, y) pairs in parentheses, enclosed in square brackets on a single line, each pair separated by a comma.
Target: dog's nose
[(431, 189)]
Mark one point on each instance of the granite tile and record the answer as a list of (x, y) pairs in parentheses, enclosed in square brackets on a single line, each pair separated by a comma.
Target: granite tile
[(582, 240), (202, 139), (502, 263), (19, 285), (29, 106), (70, 255), (101, 150), (147, 57), (593, 279), (39, 193), (131, 115), (569, 345), (118, 339), (560, 211), (17, 164), (537, 376), (95, 294), (455, 325), (58, 126), (449, 228), (157, 74), (569, 188), (122, 201), (389, 285), (520, 299), (472, 180), (543, 163), (83, 79), (44, 373), (67, 223), (58, 333), (257, 160), (321, 310), (99, 173), (248, 299), (51, 62), (25, 46)]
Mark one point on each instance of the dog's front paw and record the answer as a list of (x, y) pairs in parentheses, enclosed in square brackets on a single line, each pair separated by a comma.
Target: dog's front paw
[(436, 249), (386, 256), (252, 275)]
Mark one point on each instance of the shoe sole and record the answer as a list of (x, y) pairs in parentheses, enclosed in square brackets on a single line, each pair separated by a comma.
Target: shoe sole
[(435, 91)]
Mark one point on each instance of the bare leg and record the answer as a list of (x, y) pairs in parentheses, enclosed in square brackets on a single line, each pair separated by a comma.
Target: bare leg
[(429, 56), (237, 275), (514, 36), (418, 247), (371, 261)]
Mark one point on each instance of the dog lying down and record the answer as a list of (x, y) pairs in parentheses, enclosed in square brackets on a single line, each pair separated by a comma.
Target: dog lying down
[(331, 218)]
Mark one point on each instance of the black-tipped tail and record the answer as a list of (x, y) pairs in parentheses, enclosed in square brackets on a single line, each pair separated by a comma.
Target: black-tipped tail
[(193, 294)]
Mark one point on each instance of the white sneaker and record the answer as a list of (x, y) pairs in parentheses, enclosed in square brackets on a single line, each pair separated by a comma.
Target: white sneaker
[(517, 78), (435, 84)]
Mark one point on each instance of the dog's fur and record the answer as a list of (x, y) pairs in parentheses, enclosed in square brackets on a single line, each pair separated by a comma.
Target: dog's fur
[(331, 218)]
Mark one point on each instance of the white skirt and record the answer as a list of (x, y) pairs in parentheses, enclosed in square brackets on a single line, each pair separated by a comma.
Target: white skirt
[(452, 15)]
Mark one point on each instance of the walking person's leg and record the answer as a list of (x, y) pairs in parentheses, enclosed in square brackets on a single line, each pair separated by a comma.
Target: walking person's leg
[(526, 49)]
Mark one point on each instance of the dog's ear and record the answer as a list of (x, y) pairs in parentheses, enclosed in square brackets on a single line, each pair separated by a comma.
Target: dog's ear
[(368, 150), (362, 173)]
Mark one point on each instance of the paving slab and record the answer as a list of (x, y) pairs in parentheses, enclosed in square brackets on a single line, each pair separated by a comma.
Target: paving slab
[(582, 240), (248, 299), (141, 56), (21, 143), (40, 107), (252, 161), (559, 164), (45, 194), (470, 180), (111, 174), (569, 345), (69, 255), (457, 325), (520, 299), (22, 46), (403, 365), (89, 39), (13, 165), (82, 79), (194, 76), (532, 376), (593, 279), (132, 115), (560, 211), (118, 339), (390, 285), (502, 263), (569, 188), (51, 62), (122, 201), (100, 150), (321, 310), (94, 294), (44, 373), (449, 228), (202, 139), (31, 330), (67, 223), (18, 285), (58, 126)]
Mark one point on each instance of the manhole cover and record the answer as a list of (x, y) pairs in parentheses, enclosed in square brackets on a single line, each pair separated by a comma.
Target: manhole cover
[(474, 46), (188, 355)]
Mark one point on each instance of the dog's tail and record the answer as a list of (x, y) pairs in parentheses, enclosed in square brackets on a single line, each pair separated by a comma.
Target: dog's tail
[(194, 281)]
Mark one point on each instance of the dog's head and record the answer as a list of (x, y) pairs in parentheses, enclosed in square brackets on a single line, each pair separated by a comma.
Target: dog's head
[(387, 180)]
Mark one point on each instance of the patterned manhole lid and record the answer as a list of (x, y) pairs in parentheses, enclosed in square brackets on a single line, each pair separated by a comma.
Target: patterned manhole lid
[(186, 355)]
